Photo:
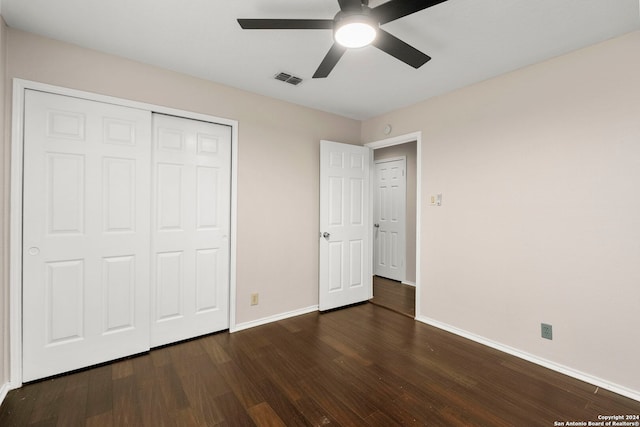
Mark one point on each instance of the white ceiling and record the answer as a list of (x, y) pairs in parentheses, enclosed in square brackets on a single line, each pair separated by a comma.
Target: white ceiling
[(469, 41)]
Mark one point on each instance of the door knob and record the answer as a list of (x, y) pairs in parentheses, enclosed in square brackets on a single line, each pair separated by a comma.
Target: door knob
[(376, 225), (326, 235), (33, 251)]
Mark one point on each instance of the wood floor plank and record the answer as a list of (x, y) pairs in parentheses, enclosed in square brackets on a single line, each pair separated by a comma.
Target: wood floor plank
[(160, 356), (363, 365), (73, 406), (322, 387), (281, 404), (100, 391), (52, 422), (314, 413), (243, 388), (394, 296), (17, 406), (264, 416), (215, 351), (150, 409), (247, 363), (346, 349), (201, 399), (234, 413), (49, 399), (253, 341), (121, 369), (187, 418), (378, 418), (127, 407), (103, 420), (332, 405), (173, 395), (281, 372), (214, 382)]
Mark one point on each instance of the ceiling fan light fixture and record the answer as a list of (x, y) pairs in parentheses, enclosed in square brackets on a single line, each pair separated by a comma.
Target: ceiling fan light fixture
[(355, 31), (356, 25)]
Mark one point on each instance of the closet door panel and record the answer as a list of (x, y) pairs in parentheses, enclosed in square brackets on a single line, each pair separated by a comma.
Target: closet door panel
[(191, 224), (86, 233)]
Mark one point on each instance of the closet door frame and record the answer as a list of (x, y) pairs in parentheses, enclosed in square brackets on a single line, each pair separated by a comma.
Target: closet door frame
[(15, 215)]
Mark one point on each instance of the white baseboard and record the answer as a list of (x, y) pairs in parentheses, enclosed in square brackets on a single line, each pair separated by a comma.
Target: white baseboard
[(406, 282), (4, 389), (275, 318), (599, 382)]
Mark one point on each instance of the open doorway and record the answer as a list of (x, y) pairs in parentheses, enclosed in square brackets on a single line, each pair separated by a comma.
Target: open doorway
[(394, 233)]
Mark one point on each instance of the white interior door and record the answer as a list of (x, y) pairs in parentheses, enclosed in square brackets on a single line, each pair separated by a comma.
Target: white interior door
[(390, 218), (345, 261), (86, 233), (191, 225)]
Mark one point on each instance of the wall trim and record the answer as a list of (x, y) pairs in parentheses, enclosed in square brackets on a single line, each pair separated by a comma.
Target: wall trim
[(4, 389), (596, 381), (274, 318), (15, 215), (408, 283)]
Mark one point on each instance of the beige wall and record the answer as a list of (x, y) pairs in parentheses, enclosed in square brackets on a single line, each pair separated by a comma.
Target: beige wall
[(278, 173), (4, 215), (540, 221), (409, 151)]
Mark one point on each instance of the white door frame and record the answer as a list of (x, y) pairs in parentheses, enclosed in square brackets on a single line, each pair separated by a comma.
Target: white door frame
[(397, 140), (15, 216), (374, 180)]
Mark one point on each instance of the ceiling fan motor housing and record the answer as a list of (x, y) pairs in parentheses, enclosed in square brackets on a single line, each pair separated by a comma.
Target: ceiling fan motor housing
[(362, 14), (359, 20)]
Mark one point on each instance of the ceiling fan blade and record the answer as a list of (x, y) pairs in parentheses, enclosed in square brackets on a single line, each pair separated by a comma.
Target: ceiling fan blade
[(350, 4), (399, 49), (330, 61), (286, 24), (395, 9)]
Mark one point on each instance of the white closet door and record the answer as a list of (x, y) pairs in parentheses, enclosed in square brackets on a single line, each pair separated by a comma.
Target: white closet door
[(86, 233), (190, 237)]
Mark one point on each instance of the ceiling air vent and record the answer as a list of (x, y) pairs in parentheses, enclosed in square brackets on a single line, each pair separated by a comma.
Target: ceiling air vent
[(288, 78)]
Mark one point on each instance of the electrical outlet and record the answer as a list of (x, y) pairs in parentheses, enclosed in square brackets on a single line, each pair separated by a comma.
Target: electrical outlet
[(254, 299), (546, 331)]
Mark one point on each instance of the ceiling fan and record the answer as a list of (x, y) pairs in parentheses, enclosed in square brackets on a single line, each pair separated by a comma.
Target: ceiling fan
[(356, 25)]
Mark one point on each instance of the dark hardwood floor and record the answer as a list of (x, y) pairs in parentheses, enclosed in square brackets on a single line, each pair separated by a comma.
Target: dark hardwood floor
[(394, 295), (360, 366)]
